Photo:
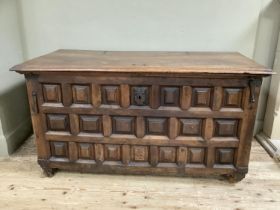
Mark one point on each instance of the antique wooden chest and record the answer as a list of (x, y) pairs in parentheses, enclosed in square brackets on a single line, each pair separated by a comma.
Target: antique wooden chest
[(164, 113)]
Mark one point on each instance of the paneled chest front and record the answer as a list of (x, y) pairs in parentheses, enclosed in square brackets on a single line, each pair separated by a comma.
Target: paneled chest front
[(164, 113)]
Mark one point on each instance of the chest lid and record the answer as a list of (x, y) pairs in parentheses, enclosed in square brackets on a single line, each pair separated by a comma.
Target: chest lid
[(143, 62)]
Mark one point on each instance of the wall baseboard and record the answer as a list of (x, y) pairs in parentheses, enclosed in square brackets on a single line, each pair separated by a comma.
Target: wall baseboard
[(3, 144), (268, 145), (258, 127), (17, 136)]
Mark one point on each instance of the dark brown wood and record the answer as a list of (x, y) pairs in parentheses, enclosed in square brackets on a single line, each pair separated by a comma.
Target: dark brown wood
[(144, 112)]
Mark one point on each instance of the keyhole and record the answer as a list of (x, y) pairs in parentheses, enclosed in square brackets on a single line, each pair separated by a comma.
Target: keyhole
[(139, 97)]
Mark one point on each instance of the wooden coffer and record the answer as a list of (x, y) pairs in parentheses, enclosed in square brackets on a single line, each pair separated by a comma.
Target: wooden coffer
[(164, 113)]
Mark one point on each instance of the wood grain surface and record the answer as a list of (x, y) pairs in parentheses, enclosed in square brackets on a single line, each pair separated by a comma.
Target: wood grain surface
[(143, 62)]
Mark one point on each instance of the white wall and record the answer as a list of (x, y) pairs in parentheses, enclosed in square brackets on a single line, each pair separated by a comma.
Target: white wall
[(10, 42), (272, 116), (216, 25), (265, 48), (14, 115)]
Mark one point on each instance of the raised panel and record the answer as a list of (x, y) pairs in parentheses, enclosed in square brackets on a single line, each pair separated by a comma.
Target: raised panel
[(170, 96), (81, 94), (201, 97), (59, 149), (232, 97), (196, 155), (111, 95), (58, 122), (86, 151), (52, 93), (90, 124), (140, 95), (190, 127), (167, 154), (139, 153), (226, 128), (157, 126), (224, 155), (123, 125), (112, 152)]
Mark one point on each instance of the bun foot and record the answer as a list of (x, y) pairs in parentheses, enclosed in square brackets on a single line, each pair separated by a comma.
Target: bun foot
[(49, 172), (236, 177)]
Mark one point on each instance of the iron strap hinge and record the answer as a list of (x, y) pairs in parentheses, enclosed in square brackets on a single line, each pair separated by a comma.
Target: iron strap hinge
[(35, 109), (253, 83)]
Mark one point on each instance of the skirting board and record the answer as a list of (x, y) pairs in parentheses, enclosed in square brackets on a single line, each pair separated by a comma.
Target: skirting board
[(258, 126), (268, 145), (15, 138)]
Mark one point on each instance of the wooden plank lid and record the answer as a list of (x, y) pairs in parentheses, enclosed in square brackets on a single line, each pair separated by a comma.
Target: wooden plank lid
[(143, 62)]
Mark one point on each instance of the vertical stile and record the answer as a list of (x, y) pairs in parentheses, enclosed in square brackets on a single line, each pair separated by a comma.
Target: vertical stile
[(73, 151), (66, 94), (154, 155), (173, 127), (99, 153), (154, 97), (107, 125), (140, 127), (125, 154), (125, 96), (182, 156), (74, 124), (218, 97), (186, 97), (96, 95), (208, 128)]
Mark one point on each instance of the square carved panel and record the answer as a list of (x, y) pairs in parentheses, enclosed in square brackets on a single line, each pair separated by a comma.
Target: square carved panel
[(190, 127), (111, 95), (224, 155), (86, 151), (123, 125), (112, 152), (201, 97), (232, 97), (226, 128), (170, 96), (59, 149), (81, 94), (140, 95), (157, 126), (52, 93), (197, 155), (167, 154), (90, 124), (139, 153), (58, 122)]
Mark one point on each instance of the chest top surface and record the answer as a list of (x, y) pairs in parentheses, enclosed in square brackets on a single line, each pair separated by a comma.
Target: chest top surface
[(143, 62)]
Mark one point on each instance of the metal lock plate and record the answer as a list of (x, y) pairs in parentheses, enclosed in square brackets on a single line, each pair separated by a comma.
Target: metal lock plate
[(140, 96)]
